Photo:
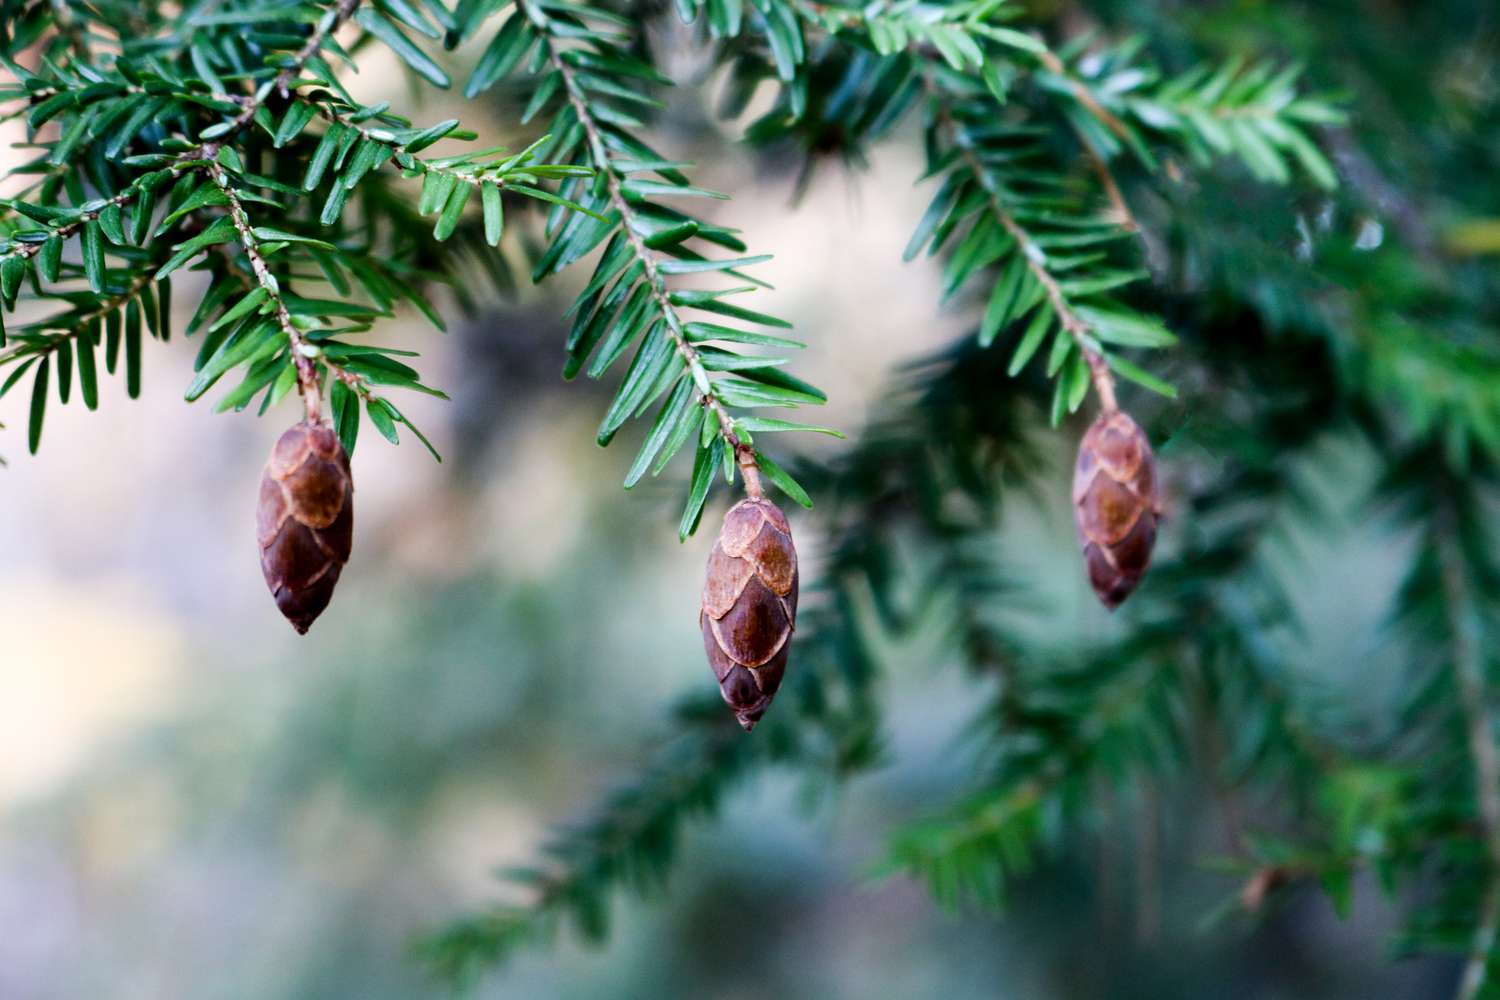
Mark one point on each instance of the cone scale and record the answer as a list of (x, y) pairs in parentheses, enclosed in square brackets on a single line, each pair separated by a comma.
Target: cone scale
[(1116, 505), (305, 521), (749, 606)]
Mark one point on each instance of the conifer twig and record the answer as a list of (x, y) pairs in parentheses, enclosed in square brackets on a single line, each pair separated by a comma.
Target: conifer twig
[(1084, 96), (307, 372), (425, 165), (52, 342), (282, 81), (1117, 202), (655, 283), (67, 229), (1077, 327)]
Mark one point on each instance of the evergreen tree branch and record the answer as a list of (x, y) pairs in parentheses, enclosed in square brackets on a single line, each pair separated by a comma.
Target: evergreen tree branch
[(1083, 95), (707, 395), (693, 373), (512, 173), (1111, 100), (30, 248), (132, 134), (282, 82), (975, 849), (307, 375), (1123, 215), (1033, 256), (976, 160), (78, 325), (1194, 661)]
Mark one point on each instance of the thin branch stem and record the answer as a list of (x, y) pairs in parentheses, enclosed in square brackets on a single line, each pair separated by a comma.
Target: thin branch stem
[(744, 454), (281, 84), (67, 229), (307, 372), (1117, 203), (185, 162), (746, 459), (1053, 64), (1035, 256), (37, 348), (1081, 92), (332, 116)]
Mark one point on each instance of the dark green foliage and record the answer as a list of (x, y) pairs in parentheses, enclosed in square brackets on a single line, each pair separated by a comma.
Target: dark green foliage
[(596, 84), (174, 124), (221, 140), (1008, 121)]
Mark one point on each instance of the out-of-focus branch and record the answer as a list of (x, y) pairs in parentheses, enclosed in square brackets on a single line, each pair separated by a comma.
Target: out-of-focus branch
[(1479, 726)]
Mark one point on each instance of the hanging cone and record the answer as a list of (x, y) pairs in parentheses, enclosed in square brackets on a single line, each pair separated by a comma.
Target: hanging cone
[(750, 606), (1115, 505), (305, 521)]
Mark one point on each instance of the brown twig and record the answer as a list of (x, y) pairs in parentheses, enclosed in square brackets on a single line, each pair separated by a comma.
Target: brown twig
[(1084, 96), (743, 452), (66, 230), (281, 84), (425, 166), (1053, 64), (38, 348), (307, 372), (29, 250), (1077, 327), (1264, 882), (1117, 203), (745, 456)]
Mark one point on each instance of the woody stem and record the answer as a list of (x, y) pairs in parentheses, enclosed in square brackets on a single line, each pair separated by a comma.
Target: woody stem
[(745, 456)]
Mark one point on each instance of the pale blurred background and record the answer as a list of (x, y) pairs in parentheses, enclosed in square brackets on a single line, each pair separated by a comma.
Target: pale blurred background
[(195, 803)]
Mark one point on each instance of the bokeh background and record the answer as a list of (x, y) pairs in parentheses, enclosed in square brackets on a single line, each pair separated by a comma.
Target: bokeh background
[(195, 803)]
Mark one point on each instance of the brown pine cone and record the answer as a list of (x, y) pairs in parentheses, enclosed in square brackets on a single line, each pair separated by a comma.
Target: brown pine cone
[(750, 606), (305, 521), (1115, 505)]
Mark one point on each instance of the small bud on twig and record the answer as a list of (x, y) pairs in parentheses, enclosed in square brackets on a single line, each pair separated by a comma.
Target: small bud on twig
[(305, 521), (750, 606), (1115, 505)]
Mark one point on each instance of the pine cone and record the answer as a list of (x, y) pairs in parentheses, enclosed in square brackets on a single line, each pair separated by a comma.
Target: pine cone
[(750, 606), (1116, 505), (305, 521)]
